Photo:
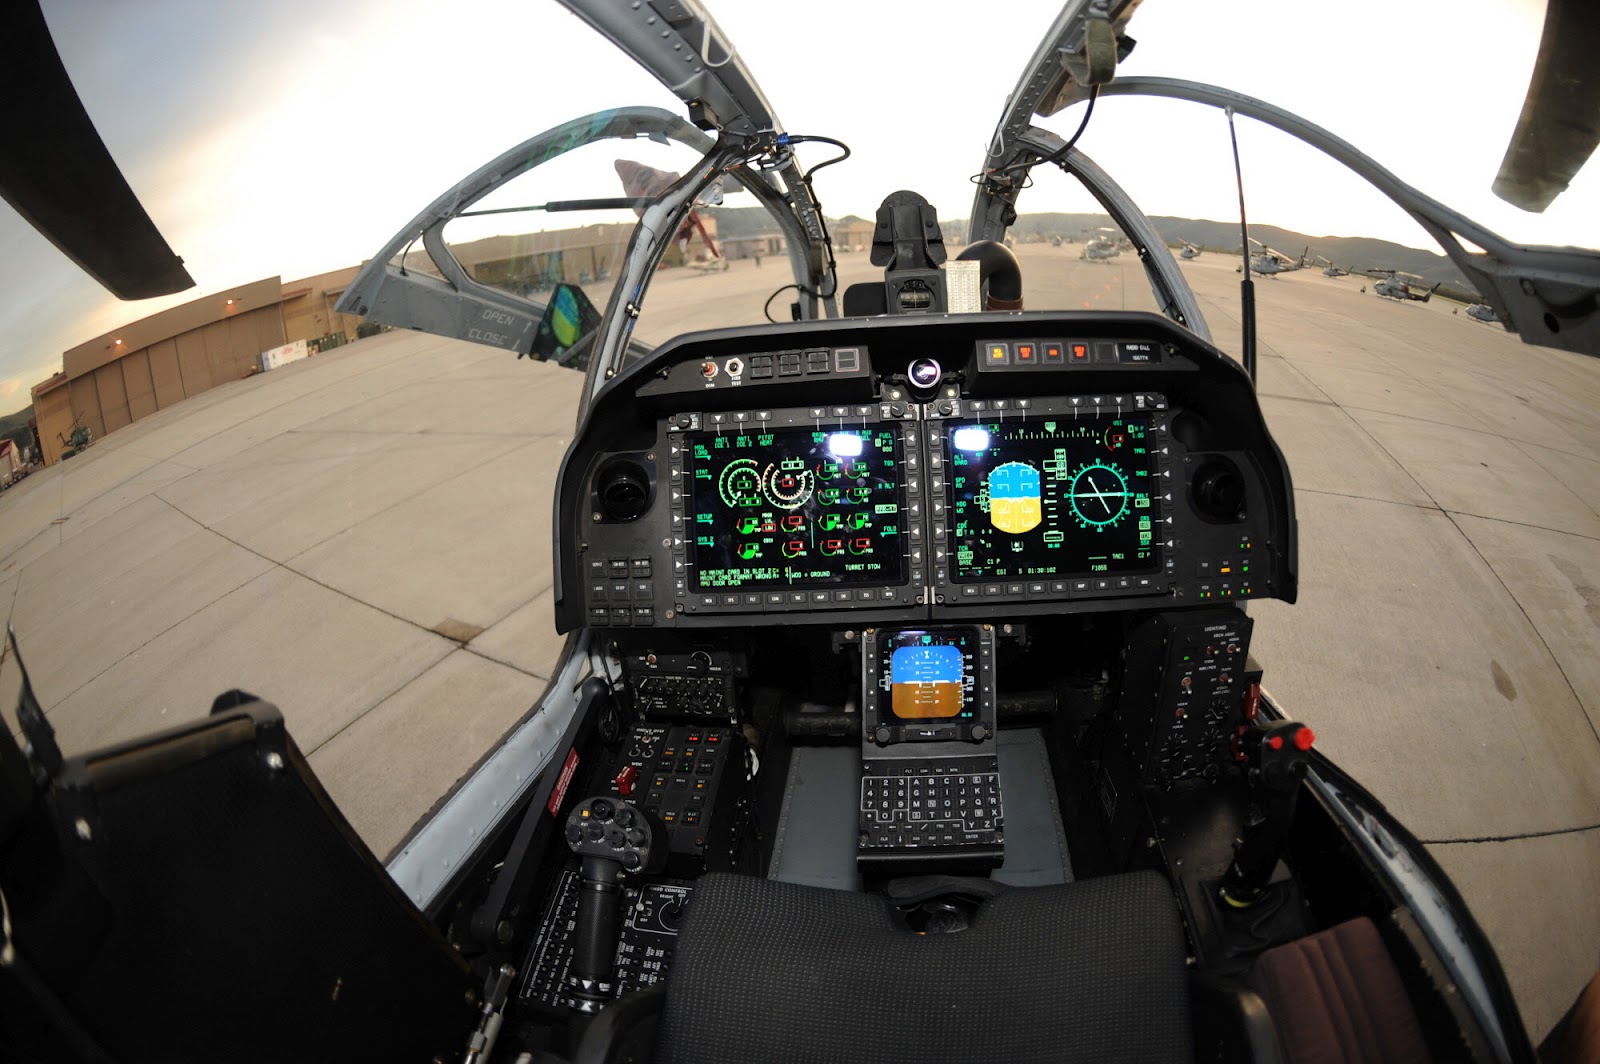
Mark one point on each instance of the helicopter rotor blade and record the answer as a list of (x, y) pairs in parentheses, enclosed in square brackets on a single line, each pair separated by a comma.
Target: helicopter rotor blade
[(1559, 127), (58, 175)]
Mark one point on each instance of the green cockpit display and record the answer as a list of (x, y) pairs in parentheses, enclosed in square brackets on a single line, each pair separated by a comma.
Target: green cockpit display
[(1051, 498), (793, 507)]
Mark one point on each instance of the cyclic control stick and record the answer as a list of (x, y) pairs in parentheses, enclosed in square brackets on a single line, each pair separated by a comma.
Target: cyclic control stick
[(612, 838)]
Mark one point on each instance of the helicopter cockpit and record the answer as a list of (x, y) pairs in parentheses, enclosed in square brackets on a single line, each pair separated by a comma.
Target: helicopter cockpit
[(910, 654), (907, 710)]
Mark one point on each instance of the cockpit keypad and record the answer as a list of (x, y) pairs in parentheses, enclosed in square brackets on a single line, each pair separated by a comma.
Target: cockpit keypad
[(946, 804)]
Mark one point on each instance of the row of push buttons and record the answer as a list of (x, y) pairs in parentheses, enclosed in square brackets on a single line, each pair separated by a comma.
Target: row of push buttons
[(805, 363), (1056, 589), (797, 598), (615, 581), (929, 836), (1080, 404), (993, 353), (1227, 578), (681, 780)]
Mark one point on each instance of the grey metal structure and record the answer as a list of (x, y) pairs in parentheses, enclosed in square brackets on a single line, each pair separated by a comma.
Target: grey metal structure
[(1056, 72), (688, 53), (1080, 48), (682, 47), (388, 293), (994, 206), (1549, 296)]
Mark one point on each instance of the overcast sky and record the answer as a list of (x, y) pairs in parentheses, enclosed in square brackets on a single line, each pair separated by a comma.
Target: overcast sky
[(295, 137)]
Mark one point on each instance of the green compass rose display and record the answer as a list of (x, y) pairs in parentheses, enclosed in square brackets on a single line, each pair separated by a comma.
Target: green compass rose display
[(1099, 495)]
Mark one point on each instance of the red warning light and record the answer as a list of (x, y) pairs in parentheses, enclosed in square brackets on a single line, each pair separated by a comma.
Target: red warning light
[(1024, 352), (1080, 352)]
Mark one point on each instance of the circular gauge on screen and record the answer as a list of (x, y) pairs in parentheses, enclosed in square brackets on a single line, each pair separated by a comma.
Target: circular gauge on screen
[(1099, 495)]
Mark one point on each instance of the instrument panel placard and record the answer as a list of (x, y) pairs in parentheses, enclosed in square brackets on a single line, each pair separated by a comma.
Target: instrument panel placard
[(1047, 497), (793, 507)]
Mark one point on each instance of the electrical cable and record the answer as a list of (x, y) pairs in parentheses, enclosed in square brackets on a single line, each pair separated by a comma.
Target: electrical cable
[(766, 308), (405, 253), (785, 140), (1061, 153), (609, 723)]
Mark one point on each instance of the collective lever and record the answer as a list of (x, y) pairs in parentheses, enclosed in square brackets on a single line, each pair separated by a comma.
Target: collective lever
[(612, 839)]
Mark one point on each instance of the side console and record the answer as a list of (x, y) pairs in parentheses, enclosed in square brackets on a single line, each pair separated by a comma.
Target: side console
[(930, 785), (1184, 678), (692, 778)]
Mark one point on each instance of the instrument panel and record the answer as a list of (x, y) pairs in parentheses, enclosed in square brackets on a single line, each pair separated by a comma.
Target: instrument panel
[(921, 470)]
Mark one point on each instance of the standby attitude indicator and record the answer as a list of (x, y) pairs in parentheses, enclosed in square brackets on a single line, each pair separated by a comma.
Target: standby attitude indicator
[(927, 675), (1051, 497)]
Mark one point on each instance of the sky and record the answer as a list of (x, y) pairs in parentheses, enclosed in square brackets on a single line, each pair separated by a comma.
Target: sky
[(290, 138)]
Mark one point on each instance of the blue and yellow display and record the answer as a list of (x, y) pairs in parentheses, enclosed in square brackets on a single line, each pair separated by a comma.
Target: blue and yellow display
[(1068, 496), (927, 674), (925, 682), (794, 507)]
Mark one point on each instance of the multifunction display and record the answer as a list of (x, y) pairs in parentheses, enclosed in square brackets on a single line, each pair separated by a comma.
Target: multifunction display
[(772, 508), (928, 675), (1050, 497)]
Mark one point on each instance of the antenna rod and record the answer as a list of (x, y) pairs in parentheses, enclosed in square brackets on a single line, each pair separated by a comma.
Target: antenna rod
[(1247, 288)]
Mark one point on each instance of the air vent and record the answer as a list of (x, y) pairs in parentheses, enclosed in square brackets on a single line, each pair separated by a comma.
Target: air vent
[(623, 490), (1218, 490)]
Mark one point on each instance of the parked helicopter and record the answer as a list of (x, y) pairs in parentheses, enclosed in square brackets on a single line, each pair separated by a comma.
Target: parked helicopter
[(1105, 243), (1401, 286), (1270, 263), (868, 738), (1190, 251), (1330, 270), (1483, 312)]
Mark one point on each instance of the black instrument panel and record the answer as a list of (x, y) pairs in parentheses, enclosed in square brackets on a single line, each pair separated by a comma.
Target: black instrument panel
[(804, 474)]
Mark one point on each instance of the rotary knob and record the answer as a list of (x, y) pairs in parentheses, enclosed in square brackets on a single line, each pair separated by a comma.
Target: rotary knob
[(979, 733), (882, 736)]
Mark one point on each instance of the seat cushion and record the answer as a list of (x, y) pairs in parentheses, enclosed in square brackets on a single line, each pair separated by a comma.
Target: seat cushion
[(1335, 997), (769, 971)]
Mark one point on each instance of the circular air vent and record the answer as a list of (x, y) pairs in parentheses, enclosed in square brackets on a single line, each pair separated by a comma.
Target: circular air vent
[(1219, 490), (623, 488)]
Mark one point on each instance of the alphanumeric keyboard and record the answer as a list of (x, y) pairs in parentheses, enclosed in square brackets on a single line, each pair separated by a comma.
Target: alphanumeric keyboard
[(948, 803)]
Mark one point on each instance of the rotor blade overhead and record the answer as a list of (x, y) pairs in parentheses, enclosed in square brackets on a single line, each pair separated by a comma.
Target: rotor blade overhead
[(57, 174), (1560, 122)]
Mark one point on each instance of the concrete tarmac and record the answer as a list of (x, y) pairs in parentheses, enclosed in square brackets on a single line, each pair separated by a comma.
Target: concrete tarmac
[(362, 538)]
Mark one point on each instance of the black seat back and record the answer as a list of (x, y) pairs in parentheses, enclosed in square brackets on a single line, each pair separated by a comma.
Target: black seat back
[(1091, 972), (217, 907)]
